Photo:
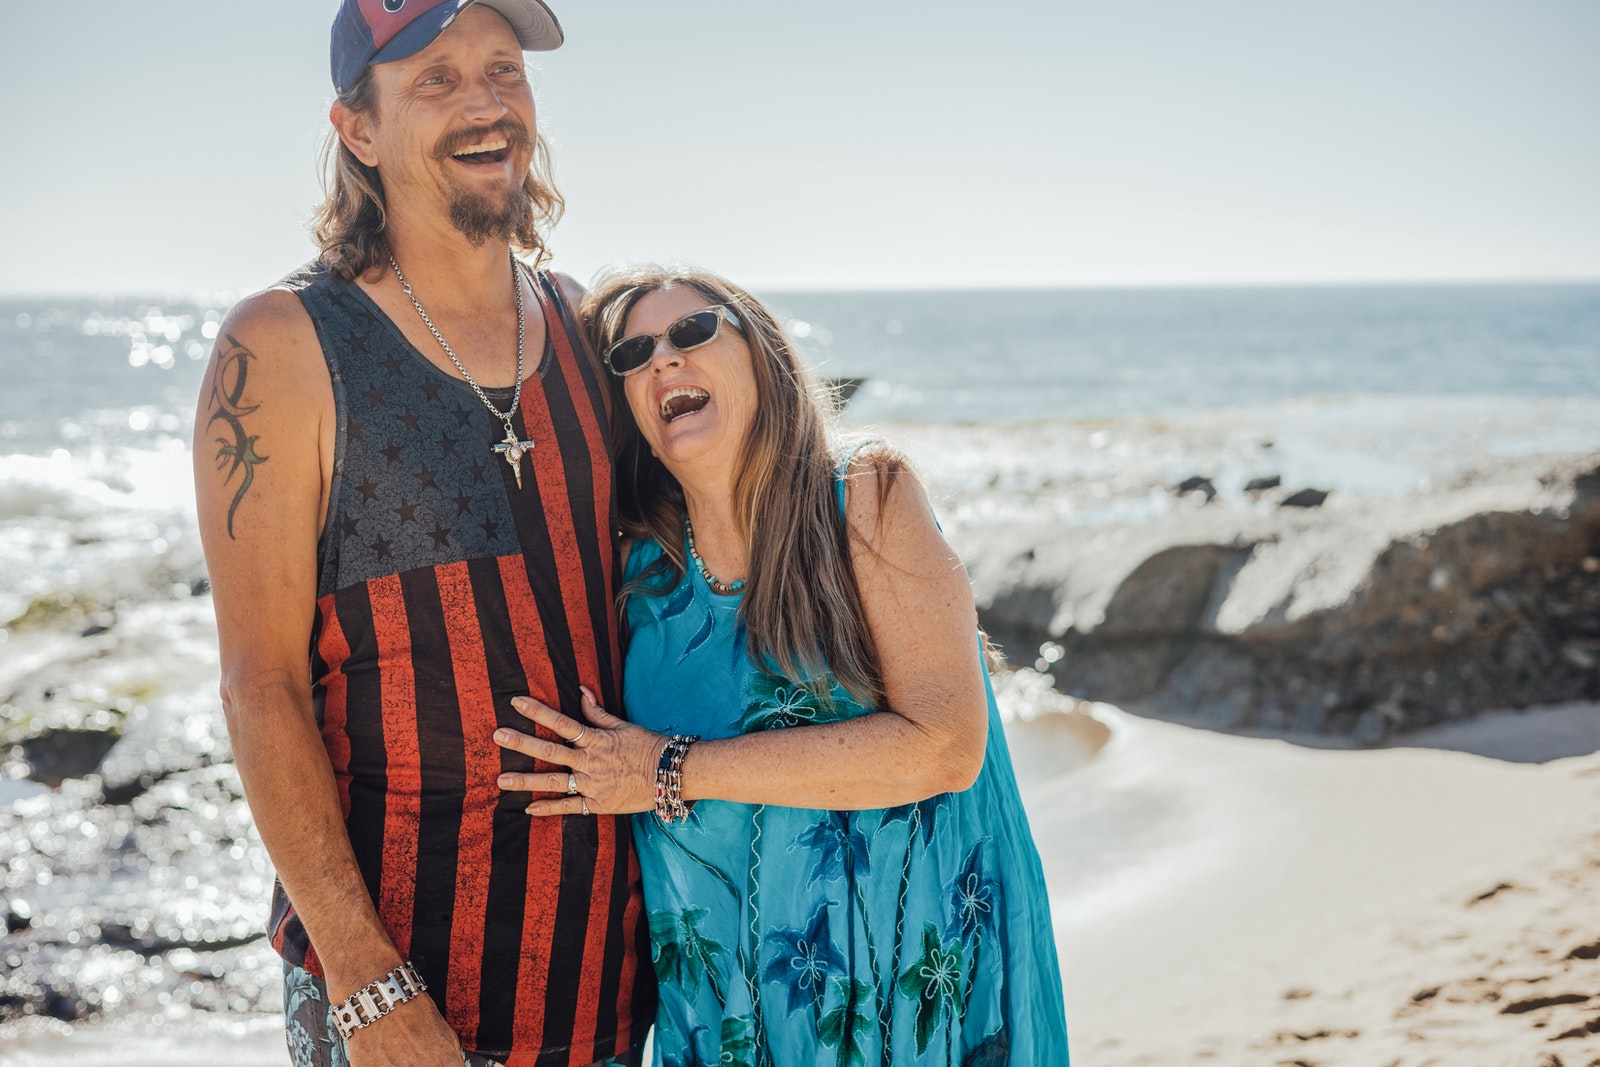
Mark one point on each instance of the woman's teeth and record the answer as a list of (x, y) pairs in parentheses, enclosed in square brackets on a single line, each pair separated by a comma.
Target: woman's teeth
[(682, 401)]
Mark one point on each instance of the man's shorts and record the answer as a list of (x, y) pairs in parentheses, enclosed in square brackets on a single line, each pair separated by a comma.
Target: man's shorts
[(313, 1041)]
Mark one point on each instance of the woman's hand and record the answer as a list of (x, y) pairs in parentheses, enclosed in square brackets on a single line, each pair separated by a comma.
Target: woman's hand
[(611, 762)]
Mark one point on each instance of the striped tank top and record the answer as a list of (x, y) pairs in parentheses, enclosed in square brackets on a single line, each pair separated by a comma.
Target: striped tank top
[(444, 590)]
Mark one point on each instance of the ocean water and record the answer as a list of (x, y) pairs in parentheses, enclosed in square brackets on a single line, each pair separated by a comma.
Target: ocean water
[(75, 370), (1107, 397)]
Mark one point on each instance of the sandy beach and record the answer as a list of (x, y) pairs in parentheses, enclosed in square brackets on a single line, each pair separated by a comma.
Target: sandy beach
[(1306, 906)]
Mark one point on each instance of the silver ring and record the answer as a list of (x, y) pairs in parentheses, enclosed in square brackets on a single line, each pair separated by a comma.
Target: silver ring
[(585, 802), (572, 785), (575, 738)]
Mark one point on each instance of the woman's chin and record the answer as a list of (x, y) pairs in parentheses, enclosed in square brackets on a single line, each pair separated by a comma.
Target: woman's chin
[(692, 439)]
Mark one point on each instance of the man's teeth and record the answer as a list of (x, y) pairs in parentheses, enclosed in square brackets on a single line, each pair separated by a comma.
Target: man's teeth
[(682, 400), (479, 149)]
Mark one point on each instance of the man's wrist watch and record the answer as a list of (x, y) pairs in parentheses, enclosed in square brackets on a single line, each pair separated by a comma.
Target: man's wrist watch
[(376, 999)]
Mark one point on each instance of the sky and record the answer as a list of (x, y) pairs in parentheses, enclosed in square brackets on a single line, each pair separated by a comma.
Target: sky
[(172, 147)]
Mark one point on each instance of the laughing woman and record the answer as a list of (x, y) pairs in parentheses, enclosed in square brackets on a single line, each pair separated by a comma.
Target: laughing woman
[(836, 863)]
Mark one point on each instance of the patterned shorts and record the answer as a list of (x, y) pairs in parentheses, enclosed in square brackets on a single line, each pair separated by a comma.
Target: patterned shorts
[(313, 1041)]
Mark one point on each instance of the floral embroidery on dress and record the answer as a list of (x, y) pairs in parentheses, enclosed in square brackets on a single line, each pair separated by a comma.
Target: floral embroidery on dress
[(773, 702)]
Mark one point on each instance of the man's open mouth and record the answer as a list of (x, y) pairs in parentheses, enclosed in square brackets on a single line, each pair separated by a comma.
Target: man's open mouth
[(484, 152), (684, 400)]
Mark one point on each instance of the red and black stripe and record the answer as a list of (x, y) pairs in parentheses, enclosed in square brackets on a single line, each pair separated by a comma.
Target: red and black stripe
[(528, 931)]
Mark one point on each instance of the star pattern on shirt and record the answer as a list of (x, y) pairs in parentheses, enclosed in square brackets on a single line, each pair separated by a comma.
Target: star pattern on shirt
[(423, 487)]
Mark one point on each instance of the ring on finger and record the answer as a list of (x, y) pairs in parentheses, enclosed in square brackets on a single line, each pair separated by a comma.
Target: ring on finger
[(585, 802), (572, 785), (575, 738)]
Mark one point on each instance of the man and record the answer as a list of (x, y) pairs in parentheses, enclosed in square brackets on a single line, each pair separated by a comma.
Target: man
[(405, 498)]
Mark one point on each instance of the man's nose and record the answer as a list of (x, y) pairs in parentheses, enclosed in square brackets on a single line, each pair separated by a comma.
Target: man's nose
[(483, 100)]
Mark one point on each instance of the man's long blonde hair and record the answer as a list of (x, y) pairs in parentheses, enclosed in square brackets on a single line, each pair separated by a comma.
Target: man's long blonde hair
[(801, 608), (348, 225)]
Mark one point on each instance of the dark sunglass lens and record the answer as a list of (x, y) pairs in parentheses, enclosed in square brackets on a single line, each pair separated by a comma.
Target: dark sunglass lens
[(694, 330), (631, 353)]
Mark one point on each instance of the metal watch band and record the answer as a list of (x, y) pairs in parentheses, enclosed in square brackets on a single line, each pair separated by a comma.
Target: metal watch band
[(376, 999)]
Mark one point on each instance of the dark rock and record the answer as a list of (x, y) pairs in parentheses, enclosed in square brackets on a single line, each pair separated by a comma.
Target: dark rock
[(102, 623), (66, 1006), (1196, 484), (156, 941), (1261, 485), (1304, 498), (57, 755), (1371, 620), (127, 792), (18, 916), (200, 587)]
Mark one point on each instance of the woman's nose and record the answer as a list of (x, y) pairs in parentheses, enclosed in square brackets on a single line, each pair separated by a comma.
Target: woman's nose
[(664, 354)]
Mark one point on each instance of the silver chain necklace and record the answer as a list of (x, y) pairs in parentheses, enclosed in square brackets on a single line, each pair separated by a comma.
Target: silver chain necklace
[(511, 447)]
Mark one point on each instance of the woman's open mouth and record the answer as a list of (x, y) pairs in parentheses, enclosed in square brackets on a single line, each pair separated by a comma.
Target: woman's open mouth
[(681, 401)]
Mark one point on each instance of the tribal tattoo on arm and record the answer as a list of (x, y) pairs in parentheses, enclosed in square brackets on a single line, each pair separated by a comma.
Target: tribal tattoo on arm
[(236, 447)]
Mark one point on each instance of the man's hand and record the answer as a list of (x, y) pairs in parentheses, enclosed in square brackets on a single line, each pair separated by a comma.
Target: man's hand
[(414, 1034)]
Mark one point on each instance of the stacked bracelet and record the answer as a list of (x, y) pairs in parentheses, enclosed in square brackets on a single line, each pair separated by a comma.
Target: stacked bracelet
[(670, 805), (376, 999)]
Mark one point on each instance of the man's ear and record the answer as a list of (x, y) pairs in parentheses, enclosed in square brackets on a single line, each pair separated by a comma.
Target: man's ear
[(355, 131)]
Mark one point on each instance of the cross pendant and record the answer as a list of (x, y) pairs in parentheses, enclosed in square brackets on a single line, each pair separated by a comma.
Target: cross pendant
[(513, 450)]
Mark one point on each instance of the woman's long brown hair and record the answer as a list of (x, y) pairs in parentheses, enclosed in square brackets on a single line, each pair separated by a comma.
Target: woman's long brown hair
[(801, 608)]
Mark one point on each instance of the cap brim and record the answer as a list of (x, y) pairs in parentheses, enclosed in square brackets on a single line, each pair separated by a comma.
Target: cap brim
[(534, 24)]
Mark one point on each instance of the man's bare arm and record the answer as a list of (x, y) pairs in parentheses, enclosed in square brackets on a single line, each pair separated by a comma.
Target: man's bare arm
[(262, 446)]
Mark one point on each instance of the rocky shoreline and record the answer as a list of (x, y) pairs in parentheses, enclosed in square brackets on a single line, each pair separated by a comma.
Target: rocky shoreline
[(1364, 617)]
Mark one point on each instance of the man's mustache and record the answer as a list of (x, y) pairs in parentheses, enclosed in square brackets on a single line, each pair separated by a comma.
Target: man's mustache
[(515, 134)]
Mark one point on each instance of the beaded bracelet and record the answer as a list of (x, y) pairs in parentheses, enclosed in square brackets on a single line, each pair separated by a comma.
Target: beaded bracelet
[(670, 805)]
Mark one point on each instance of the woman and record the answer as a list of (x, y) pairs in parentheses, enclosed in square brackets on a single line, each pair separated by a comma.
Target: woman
[(841, 871)]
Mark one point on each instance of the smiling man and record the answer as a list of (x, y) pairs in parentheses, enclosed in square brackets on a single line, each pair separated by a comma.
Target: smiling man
[(405, 496)]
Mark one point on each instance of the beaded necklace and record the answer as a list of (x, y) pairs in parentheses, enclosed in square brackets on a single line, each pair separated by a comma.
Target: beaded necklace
[(717, 584)]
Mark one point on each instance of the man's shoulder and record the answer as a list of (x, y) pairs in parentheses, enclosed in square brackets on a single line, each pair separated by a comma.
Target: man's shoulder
[(570, 287), (273, 325)]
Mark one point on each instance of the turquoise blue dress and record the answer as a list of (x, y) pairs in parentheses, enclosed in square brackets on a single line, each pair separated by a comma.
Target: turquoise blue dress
[(791, 937)]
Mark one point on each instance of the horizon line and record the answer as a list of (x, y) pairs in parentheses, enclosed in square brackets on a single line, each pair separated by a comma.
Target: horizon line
[(790, 286)]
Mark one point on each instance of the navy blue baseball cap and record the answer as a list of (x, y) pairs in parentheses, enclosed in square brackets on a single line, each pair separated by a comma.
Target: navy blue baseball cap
[(381, 31)]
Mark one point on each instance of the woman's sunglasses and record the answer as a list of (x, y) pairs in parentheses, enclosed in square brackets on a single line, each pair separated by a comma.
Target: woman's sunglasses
[(691, 331)]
